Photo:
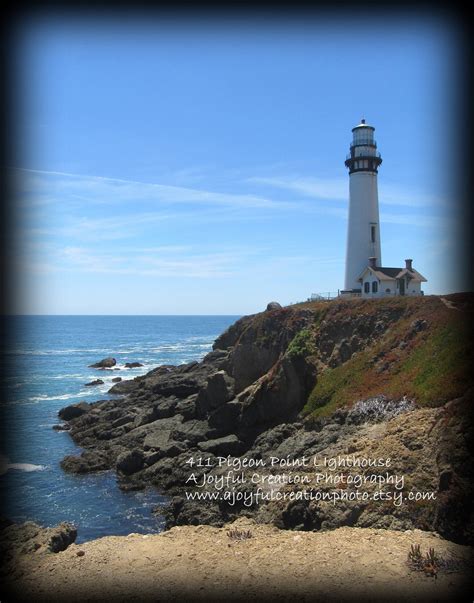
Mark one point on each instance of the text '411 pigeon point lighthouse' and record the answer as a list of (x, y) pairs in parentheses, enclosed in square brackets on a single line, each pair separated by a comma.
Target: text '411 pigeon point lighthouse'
[(365, 275)]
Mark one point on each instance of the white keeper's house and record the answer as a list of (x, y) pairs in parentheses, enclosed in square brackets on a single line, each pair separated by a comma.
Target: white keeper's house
[(365, 274)]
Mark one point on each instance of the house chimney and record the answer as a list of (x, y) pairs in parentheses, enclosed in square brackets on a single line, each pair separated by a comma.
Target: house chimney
[(408, 265), (372, 262)]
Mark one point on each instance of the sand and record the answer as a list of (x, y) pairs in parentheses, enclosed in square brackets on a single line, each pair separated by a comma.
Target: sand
[(202, 562)]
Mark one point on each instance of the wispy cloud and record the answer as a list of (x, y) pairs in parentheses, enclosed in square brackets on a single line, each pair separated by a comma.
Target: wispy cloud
[(168, 261), (116, 191), (338, 190), (310, 187)]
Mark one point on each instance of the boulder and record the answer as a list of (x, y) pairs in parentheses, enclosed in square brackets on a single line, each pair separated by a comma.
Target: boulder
[(219, 388), (130, 462), (95, 382), (133, 364), (73, 411), (28, 537), (124, 387), (225, 417), (88, 462), (61, 537), (222, 446), (193, 431), (273, 306), (61, 427), (104, 363), (116, 379)]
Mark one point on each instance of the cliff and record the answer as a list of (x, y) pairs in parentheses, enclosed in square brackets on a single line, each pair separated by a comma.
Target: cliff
[(367, 378)]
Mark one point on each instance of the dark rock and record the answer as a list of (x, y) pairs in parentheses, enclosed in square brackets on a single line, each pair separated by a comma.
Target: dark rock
[(193, 431), (130, 462), (187, 408), (445, 480), (226, 417), (166, 408), (95, 382), (133, 364), (297, 516), (116, 379), (88, 462), (273, 306), (61, 537), (172, 449), (125, 387), (218, 389), (28, 537), (104, 363), (123, 421), (61, 427), (222, 446), (73, 411), (147, 416), (159, 433), (418, 325), (180, 384)]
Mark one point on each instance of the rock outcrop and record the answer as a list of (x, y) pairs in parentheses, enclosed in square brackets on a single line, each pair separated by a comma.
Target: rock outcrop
[(104, 363), (322, 379)]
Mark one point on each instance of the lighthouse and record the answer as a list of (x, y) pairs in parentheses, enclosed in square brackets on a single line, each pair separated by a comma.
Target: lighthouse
[(363, 232), (365, 274)]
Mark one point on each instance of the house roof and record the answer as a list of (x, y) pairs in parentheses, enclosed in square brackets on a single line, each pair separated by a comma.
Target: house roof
[(390, 274)]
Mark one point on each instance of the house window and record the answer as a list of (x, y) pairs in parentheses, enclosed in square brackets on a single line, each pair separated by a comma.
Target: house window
[(374, 287), (372, 234), (366, 287), (387, 290)]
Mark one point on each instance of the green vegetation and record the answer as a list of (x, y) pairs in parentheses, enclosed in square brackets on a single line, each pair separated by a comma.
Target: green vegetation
[(431, 366), (301, 345)]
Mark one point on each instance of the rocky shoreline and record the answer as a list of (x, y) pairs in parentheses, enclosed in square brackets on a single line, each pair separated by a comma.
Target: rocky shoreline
[(248, 399)]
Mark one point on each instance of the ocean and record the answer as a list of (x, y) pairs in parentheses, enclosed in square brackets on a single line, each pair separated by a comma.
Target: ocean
[(45, 368)]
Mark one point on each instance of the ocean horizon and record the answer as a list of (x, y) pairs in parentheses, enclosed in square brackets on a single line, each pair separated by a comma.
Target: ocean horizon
[(46, 367)]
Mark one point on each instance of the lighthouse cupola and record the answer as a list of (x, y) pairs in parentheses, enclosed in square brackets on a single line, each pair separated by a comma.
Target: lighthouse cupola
[(363, 154)]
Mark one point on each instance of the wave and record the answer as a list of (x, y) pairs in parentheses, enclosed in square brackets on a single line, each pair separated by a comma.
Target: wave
[(20, 352), (46, 398), (5, 466)]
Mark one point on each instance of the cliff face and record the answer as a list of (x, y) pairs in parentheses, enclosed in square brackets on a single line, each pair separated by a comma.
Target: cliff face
[(327, 378)]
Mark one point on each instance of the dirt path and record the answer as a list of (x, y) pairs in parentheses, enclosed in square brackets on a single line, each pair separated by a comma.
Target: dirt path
[(201, 562), (449, 304)]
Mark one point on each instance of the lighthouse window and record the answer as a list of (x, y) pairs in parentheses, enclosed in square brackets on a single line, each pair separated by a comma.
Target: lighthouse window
[(366, 287), (374, 287), (372, 234)]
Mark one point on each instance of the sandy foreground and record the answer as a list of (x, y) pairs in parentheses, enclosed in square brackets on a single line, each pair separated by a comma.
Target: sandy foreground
[(202, 562)]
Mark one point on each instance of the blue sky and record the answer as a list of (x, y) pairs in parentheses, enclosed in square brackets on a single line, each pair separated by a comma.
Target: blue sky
[(197, 167)]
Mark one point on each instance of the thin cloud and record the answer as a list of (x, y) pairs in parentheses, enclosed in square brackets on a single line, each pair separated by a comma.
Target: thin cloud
[(114, 191), (338, 190)]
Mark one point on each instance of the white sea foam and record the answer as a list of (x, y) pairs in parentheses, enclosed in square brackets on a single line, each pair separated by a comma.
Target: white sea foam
[(28, 467), (44, 397), (5, 466)]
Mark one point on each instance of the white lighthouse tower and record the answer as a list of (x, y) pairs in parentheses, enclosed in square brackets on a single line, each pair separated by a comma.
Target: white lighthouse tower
[(363, 234)]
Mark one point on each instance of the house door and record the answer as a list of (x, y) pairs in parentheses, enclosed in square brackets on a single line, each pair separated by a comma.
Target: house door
[(402, 286)]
